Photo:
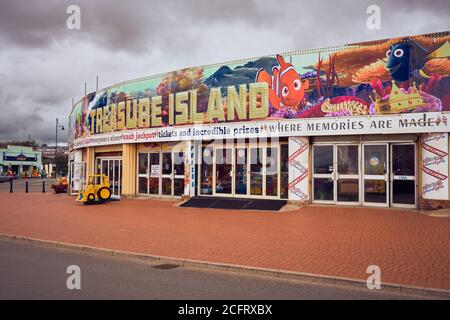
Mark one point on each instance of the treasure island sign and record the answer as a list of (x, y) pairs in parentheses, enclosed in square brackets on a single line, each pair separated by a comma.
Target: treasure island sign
[(240, 105)]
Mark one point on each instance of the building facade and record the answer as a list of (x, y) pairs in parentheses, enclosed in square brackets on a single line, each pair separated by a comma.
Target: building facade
[(21, 161), (358, 124)]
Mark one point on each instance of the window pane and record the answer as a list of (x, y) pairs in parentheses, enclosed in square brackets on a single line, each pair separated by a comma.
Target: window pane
[(403, 160), (375, 191), (178, 163), (347, 159), (143, 163), (323, 189), (111, 174), (256, 177), (223, 170), (375, 159), (143, 185), (105, 167), (348, 190), (404, 191), (153, 185), (323, 159), (272, 171), (154, 168), (166, 186), (166, 163), (154, 158), (178, 187), (206, 171), (117, 179), (241, 171)]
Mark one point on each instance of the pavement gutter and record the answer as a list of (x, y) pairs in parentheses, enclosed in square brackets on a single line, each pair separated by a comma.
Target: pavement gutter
[(241, 269)]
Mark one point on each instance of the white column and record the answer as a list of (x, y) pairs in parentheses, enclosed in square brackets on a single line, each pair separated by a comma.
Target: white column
[(298, 169), (78, 173), (434, 166), (189, 169)]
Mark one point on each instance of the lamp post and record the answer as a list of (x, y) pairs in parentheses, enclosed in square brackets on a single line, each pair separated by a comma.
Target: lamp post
[(56, 145)]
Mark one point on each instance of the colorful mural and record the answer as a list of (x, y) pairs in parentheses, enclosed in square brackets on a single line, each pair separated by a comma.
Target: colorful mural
[(391, 76)]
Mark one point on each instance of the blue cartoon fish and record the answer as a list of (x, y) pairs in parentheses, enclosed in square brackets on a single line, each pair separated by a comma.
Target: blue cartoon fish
[(406, 59)]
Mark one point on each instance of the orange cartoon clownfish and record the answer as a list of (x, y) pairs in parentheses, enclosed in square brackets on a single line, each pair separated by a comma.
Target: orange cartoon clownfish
[(285, 85)]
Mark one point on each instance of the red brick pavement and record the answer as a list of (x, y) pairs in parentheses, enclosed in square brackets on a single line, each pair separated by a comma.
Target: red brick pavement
[(410, 248)]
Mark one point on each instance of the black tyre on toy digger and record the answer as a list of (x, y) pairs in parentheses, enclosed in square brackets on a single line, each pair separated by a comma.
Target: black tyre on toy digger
[(104, 194)]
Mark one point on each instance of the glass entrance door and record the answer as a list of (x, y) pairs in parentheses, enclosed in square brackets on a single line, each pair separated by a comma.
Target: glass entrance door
[(347, 174), (178, 173), (263, 173), (117, 173), (403, 174), (323, 173), (112, 167), (77, 176), (271, 171), (223, 171), (153, 171), (387, 177), (240, 171), (166, 173), (161, 173), (206, 170), (336, 173), (256, 171), (375, 177)]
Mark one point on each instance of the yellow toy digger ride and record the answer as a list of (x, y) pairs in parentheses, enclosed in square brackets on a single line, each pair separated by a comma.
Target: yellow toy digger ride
[(95, 192)]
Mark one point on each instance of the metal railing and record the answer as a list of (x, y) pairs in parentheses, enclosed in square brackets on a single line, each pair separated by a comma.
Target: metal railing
[(26, 185)]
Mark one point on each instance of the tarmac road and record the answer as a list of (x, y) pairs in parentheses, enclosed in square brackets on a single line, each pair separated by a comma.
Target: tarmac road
[(36, 271)]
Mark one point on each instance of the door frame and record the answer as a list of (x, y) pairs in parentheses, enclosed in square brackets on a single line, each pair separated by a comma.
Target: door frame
[(178, 176), (241, 145), (214, 171), (334, 175), (361, 177), (199, 152), (165, 176), (391, 177), (338, 176), (148, 175), (263, 169), (323, 175), (111, 160), (72, 170), (278, 170)]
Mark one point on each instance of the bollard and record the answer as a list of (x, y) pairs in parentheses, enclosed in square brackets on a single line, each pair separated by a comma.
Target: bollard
[(43, 186), (11, 185), (26, 186)]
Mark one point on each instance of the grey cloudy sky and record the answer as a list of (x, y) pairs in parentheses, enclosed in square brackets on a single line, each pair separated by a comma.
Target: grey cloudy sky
[(43, 64)]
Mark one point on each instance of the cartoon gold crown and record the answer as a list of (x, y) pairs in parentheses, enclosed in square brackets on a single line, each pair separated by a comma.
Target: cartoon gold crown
[(398, 101)]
